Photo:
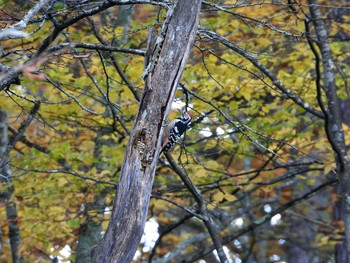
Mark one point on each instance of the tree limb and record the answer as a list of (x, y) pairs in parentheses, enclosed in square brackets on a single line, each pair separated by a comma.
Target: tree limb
[(253, 59)]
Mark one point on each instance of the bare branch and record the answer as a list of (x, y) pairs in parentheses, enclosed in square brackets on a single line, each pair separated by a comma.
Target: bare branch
[(105, 5), (64, 171), (268, 25), (57, 86), (229, 238), (97, 47), (115, 63), (23, 23), (253, 59), (202, 208)]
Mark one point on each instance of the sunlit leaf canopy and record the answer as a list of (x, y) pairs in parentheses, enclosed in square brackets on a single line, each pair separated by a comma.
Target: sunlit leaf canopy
[(257, 139)]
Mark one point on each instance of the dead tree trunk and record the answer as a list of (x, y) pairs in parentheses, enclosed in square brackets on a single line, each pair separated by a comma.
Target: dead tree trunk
[(163, 74)]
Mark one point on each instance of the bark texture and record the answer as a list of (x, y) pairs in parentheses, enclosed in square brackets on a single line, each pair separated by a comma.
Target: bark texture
[(161, 77), (333, 125)]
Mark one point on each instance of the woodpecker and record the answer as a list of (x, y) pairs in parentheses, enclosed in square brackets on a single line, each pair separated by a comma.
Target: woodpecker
[(174, 131)]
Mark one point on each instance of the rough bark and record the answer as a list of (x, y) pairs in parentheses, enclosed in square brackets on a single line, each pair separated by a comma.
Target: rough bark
[(333, 124), (162, 77)]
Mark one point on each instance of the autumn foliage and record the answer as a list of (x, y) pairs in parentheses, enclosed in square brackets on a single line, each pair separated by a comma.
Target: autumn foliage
[(258, 150)]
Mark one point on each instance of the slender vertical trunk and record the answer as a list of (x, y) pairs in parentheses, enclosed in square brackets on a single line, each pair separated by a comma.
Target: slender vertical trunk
[(90, 230), (7, 190), (333, 124)]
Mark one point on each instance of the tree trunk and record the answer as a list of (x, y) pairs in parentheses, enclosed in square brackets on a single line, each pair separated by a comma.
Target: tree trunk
[(162, 77), (90, 230), (298, 247), (5, 195), (333, 124)]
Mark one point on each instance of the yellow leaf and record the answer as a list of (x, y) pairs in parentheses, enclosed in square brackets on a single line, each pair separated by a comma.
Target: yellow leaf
[(61, 182), (230, 198), (311, 182), (329, 167), (218, 197), (200, 173)]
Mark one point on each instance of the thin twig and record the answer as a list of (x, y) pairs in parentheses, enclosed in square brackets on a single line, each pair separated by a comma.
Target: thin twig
[(63, 171), (202, 208), (253, 59)]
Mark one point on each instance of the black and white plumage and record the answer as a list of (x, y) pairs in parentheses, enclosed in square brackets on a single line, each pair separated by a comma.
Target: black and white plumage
[(174, 131)]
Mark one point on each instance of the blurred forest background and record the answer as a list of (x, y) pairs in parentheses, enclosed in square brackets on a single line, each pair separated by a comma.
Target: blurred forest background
[(267, 84)]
